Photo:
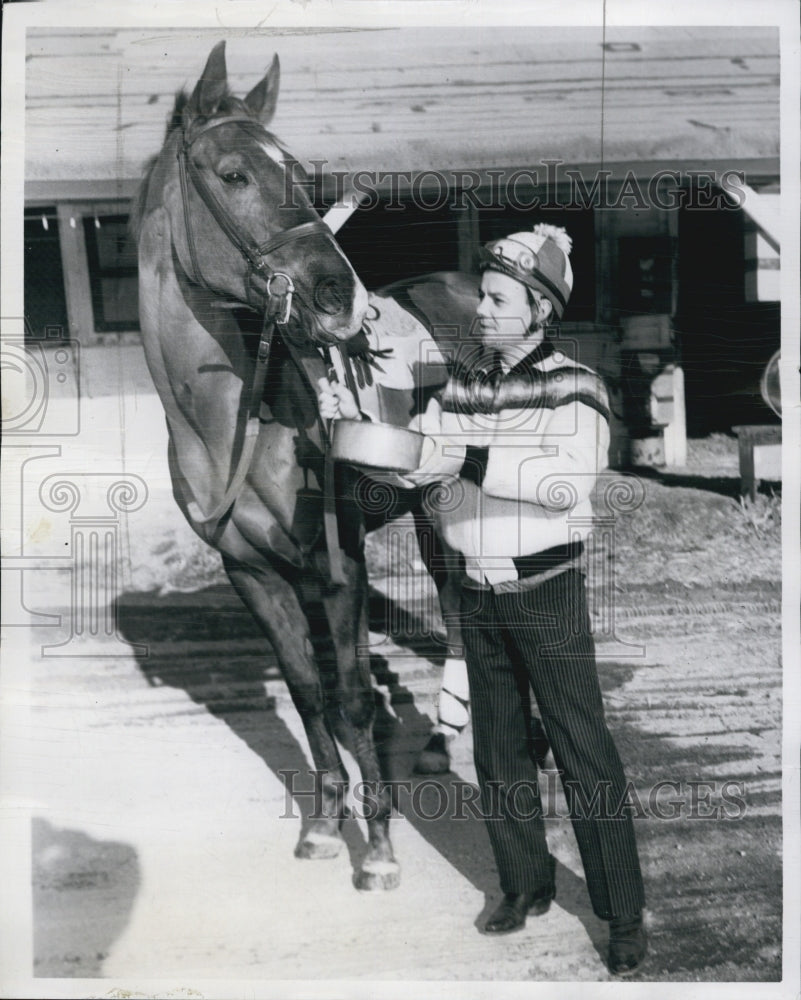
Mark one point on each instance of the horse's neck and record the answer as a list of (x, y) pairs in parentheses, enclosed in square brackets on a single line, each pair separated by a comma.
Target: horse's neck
[(182, 323), (198, 352)]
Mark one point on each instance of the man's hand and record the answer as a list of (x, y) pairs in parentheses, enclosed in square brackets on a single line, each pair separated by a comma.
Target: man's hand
[(336, 401)]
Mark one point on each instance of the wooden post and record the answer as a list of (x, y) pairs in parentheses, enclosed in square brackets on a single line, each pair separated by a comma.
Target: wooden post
[(675, 432), (760, 455), (77, 288)]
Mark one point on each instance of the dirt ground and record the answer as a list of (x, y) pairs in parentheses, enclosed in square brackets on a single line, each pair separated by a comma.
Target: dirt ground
[(166, 852)]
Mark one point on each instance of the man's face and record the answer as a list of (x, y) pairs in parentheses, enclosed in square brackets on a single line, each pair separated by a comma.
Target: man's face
[(504, 310)]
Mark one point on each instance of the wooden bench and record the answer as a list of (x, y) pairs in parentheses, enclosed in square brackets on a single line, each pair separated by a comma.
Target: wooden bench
[(760, 447)]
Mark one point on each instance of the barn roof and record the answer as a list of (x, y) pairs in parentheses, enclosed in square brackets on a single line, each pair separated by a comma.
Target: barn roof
[(413, 98)]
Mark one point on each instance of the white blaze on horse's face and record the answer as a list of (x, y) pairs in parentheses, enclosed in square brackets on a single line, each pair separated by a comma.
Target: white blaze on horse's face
[(240, 179), (274, 152)]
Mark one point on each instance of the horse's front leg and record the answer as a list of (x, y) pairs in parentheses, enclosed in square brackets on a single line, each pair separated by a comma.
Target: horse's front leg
[(275, 606), (346, 610), (446, 568)]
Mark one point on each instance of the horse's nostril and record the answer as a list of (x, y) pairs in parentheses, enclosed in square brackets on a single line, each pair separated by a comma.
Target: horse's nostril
[(328, 297)]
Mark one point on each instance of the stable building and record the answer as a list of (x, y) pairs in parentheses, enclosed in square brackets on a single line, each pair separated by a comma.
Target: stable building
[(656, 148)]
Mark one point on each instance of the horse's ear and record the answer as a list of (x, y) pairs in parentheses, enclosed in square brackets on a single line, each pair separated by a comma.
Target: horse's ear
[(264, 96), (212, 86)]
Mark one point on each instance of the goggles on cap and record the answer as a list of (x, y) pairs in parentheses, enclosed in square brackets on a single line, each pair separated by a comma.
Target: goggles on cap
[(511, 255), (521, 263)]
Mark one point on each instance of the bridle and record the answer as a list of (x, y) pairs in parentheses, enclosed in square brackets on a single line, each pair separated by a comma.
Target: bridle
[(279, 290), (255, 254)]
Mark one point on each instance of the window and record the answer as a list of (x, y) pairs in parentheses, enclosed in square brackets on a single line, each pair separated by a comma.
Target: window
[(112, 257), (45, 300)]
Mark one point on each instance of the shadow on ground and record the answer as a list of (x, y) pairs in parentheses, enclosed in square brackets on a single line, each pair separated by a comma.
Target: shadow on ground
[(712, 885), (232, 688), (727, 486), (83, 895)]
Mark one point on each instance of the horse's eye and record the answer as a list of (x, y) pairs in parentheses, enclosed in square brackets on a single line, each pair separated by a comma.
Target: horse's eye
[(234, 177)]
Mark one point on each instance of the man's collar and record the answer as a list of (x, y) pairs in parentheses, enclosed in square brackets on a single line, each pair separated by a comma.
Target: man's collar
[(542, 351), (490, 363)]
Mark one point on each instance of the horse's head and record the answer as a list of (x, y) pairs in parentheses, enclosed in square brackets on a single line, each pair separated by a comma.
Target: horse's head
[(238, 219)]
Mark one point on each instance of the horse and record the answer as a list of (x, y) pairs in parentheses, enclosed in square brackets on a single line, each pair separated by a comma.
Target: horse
[(242, 296)]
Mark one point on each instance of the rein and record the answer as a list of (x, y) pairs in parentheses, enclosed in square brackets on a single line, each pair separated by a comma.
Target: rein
[(276, 314)]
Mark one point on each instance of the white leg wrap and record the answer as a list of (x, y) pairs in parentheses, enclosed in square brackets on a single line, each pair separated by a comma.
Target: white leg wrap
[(454, 698), (313, 837), (381, 867)]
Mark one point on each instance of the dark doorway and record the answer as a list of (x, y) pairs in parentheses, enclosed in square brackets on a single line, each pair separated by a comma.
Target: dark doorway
[(387, 242), (45, 300), (725, 342)]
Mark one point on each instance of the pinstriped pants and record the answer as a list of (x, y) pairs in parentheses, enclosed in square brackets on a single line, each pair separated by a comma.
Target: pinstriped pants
[(541, 636)]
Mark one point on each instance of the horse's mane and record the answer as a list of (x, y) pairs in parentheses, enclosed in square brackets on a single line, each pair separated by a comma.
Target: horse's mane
[(174, 122), (229, 105)]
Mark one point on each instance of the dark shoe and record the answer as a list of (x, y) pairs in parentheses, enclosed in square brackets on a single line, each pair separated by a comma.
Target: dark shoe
[(516, 906), (434, 757), (628, 944)]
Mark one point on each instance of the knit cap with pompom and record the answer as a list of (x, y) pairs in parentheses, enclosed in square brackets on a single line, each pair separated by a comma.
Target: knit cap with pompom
[(539, 259)]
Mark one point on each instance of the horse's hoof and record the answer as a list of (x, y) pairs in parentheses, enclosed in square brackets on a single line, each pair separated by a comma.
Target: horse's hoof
[(434, 757), (318, 847), (378, 875)]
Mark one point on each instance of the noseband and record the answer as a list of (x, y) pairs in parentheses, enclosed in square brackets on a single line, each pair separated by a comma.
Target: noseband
[(254, 254)]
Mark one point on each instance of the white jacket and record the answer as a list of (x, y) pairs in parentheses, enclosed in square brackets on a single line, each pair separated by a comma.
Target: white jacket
[(540, 449)]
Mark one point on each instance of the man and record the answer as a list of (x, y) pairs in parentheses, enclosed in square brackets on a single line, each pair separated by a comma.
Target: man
[(526, 434)]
